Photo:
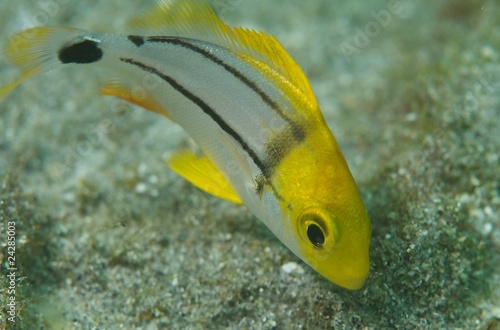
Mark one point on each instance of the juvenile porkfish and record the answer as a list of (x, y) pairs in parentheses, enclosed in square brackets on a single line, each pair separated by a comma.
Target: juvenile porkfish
[(250, 109)]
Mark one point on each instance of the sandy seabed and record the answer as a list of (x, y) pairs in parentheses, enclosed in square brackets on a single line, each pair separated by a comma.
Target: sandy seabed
[(107, 237)]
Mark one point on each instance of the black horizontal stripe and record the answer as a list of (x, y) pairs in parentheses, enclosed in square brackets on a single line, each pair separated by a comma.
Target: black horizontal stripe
[(136, 40), (296, 130), (265, 169)]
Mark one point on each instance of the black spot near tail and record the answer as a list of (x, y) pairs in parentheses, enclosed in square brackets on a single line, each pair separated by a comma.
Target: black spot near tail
[(84, 52), (137, 40)]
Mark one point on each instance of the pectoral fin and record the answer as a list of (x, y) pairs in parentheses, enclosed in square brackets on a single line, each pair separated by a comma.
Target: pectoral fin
[(202, 173)]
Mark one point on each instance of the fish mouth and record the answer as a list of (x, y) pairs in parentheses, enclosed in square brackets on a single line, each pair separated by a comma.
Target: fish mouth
[(351, 283)]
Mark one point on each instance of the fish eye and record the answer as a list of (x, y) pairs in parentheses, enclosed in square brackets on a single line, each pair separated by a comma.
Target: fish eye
[(315, 235), (318, 228)]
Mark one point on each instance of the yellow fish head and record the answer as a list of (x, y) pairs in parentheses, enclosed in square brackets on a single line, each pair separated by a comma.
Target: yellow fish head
[(334, 244), (329, 223)]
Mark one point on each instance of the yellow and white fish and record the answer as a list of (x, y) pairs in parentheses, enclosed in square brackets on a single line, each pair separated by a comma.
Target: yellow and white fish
[(250, 109)]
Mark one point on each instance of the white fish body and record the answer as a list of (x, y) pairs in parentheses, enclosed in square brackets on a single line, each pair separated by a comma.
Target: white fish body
[(248, 106)]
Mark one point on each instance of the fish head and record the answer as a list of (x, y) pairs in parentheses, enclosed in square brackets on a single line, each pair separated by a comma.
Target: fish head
[(335, 245), (330, 227)]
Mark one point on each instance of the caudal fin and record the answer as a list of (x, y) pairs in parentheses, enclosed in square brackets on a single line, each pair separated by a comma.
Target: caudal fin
[(34, 51)]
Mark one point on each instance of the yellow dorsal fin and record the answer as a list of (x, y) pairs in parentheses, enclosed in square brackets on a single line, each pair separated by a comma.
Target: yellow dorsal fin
[(202, 173), (195, 19), (135, 95)]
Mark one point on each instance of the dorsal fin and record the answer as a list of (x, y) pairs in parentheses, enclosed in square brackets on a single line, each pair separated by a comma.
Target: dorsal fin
[(195, 19)]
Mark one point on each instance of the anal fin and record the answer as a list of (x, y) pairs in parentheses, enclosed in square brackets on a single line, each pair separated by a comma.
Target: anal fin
[(203, 174), (135, 95)]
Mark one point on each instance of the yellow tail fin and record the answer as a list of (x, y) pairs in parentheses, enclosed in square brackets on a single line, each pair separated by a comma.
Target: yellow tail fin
[(34, 51)]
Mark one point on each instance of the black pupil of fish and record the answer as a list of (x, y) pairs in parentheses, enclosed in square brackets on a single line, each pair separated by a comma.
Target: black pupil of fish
[(315, 235)]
